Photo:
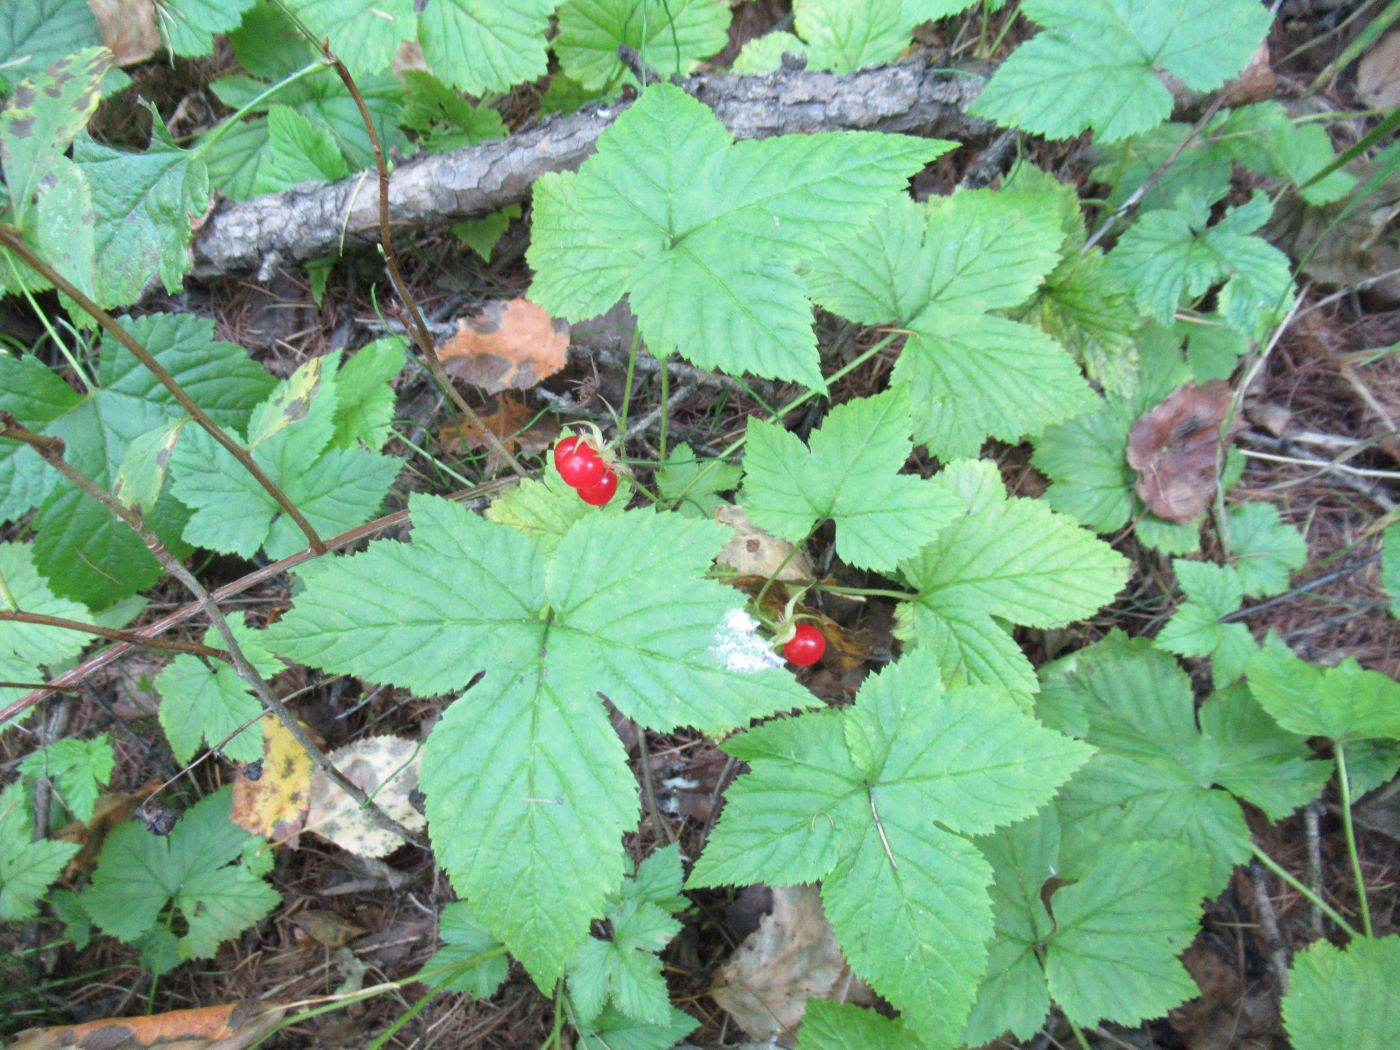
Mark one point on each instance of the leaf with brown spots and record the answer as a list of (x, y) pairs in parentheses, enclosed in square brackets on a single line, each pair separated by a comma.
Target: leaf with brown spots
[(271, 798), (232, 1026), (509, 423), (1177, 447), (511, 344), (386, 767)]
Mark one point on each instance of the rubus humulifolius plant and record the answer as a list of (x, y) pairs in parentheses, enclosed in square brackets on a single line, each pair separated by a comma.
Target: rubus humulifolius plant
[(994, 840)]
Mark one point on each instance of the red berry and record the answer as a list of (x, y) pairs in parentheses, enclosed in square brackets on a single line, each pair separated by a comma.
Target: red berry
[(578, 463), (601, 491), (806, 646)]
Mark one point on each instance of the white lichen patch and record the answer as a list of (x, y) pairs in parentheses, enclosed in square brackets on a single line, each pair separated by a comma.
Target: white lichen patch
[(738, 647)]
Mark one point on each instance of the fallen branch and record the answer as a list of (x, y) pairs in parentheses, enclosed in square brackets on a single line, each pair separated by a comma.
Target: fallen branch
[(432, 191)]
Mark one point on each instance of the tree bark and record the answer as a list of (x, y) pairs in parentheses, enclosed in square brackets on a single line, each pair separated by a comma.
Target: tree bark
[(432, 191)]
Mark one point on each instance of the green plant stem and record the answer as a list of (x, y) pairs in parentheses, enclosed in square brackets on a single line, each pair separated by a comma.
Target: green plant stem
[(1078, 1033), (51, 449), (207, 142), (557, 1030), (1344, 785), (1317, 901), (19, 616), (627, 386), (10, 238), (6, 595), (403, 1019), (665, 406), (43, 317)]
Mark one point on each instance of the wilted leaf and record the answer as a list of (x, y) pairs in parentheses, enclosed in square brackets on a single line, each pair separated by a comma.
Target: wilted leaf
[(128, 28), (1378, 75), (326, 927), (273, 803), (753, 552), (386, 767), (228, 1027), (512, 344), (790, 958), (1176, 449)]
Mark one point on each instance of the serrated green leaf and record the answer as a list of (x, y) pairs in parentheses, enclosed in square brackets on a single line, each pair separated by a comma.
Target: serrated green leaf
[(34, 33), (1265, 138), (482, 235), (145, 204), (764, 54), (1057, 86), (1345, 703), (464, 940), (267, 43), (1084, 309), (851, 475), (139, 875), (364, 396), (694, 484), (672, 36), (237, 158), (1195, 629), (444, 119), (842, 36), (544, 509), (614, 1030), (528, 753), (26, 647), (1201, 171), (204, 701), (485, 45), (297, 151), (624, 968), (1263, 549), (77, 768), (1016, 560), (62, 231), (656, 213), (141, 475), (837, 1026), (364, 34), (189, 26), (1118, 931), (26, 867), (35, 396), (1344, 997)]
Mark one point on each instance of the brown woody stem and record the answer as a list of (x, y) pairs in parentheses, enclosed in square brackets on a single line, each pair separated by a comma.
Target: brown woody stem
[(131, 637)]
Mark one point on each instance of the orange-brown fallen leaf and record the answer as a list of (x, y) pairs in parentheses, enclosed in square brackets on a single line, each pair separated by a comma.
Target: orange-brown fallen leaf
[(509, 423), (111, 809), (274, 803), (228, 1027), (1177, 447), (511, 344)]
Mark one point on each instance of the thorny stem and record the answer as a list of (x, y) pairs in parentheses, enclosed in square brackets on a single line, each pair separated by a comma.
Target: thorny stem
[(52, 449), (417, 326), (10, 238), (19, 616), (1344, 785), (1307, 893)]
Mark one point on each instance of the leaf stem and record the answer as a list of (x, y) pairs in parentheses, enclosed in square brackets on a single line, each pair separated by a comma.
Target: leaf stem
[(10, 238), (665, 405), (1078, 1032), (1344, 784), (627, 386), (1316, 900)]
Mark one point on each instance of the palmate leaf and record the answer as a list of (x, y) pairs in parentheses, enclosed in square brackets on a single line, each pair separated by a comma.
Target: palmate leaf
[(935, 270), (907, 899), (189, 26), (851, 475), (1196, 628), (364, 34), (1012, 559), (1095, 65), (76, 768), (1263, 549), (464, 939), (656, 212), (1344, 997), (26, 867), (485, 45), (1346, 703), (670, 35), (620, 607), (842, 36)]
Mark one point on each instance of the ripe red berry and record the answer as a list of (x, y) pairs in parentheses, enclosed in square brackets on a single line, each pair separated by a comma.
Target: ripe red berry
[(806, 646), (601, 491), (578, 463)]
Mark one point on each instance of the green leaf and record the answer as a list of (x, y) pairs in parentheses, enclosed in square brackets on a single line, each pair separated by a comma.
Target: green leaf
[(26, 867), (189, 26), (544, 509), (484, 45), (204, 701), (694, 484), (364, 34), (764, 54), (76, 769), (34, 33), (62, 231), (140, 874), (837, 1026), (86, 553), (1201, 171), (1265, 138), (528, 753), (1263, 549), (934, 270), (297, 151), (1344, 997), (464, 939), (656, 213), (1195, 629), (1345, 703), (144, 465), (1013, 559), (290, 438), (672, 36), (482, 235), (364, 397), (236, 159), (1390, 562), (1084, 308), (145, 203), (851, 475), (445, 120), (842, 36), (614, 1030), (908, 900), (27, 647), (36, 397), (1057, 86), (267, 43)]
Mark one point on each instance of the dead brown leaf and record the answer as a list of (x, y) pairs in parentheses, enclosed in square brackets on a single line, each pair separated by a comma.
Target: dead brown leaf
[(508, 422), (1378, 74), (386, 768), (1175, 448), (326, 928), (790, 958), (128, 28), (511, 344), (274, 803), (228, 1027), (111, 809), (753, 552)]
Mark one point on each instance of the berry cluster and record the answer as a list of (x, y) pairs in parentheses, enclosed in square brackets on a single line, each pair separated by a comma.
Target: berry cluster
[(579, 464)]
